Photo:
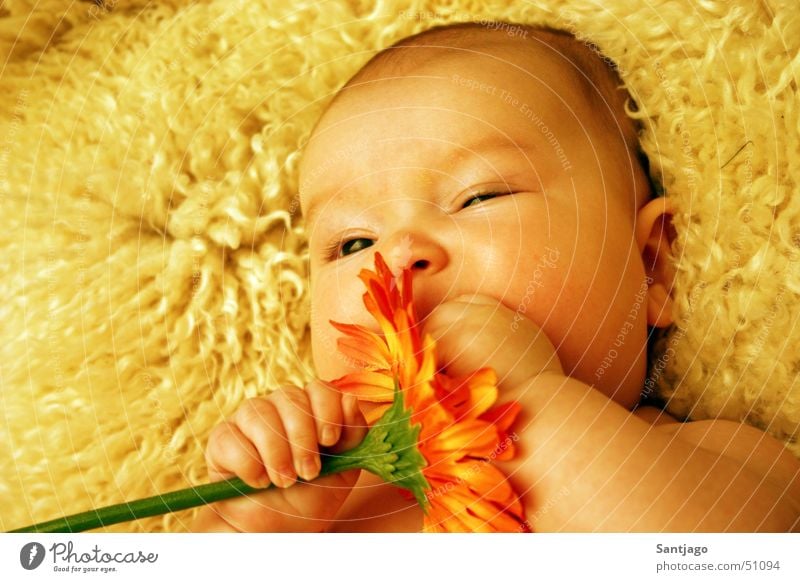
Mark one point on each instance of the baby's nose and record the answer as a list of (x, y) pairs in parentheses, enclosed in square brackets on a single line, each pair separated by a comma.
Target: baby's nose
[(428, 259), (423, 254), (420, 264)]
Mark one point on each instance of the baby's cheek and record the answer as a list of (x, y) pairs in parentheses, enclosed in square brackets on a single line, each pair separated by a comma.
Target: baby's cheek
[(344, 305), (539, 287)]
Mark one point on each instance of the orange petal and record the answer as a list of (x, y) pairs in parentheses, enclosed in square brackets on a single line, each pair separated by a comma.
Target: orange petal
[(445, 515), (492, 517), (461, 520), (374, 414), (499, 519), (483, 391), (470, 395), (503, 415), (486, 481), (375, 386), (432, 419), (362, 345), (468, 437)]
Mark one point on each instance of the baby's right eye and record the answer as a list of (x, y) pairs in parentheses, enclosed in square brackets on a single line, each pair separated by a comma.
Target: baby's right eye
[(355, 247), (351, 245)]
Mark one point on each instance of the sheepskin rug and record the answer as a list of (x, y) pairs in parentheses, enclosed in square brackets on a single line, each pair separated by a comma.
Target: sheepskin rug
[(154, 268)]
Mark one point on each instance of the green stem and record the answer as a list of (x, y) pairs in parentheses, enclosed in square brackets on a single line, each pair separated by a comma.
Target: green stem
[(176, 500)]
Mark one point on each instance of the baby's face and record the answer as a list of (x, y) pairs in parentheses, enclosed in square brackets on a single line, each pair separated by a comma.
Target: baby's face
[(491, 176)]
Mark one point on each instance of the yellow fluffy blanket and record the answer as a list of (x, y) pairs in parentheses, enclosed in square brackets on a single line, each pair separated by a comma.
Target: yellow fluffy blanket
[(154, 268)]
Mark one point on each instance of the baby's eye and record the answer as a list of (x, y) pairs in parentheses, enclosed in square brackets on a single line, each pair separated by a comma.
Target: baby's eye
[(480, 198), (353, 245)]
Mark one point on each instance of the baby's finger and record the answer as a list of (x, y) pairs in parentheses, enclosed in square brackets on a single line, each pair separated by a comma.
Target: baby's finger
[(354, 425), (326, 405), (298, 422), (230, 453), (260, 422)]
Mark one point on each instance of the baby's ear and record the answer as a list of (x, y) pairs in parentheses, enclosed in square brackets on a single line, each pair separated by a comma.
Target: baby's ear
[(654, 236)]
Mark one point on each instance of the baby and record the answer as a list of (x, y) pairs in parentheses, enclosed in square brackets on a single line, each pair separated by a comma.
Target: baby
[(503, 169)]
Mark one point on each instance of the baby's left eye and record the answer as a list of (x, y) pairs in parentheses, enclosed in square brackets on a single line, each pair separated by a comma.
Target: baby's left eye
[(480, 198)]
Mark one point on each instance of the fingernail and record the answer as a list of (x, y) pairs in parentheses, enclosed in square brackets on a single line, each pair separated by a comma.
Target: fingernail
[(310, 468), (350, 405), (476, 298), (330, 434), (286, 478), (263, 482)]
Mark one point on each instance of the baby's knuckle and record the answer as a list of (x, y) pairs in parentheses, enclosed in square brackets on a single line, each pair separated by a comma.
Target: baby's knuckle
[(290, 395), (441, 313), (451, 314), (319, 388), (221, 443), (298, 427), (218, 432), (254, 411), (436, 324), (474, 329)]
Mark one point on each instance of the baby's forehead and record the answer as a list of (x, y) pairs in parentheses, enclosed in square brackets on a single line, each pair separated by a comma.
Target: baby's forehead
[(487, 65), (468, 79)]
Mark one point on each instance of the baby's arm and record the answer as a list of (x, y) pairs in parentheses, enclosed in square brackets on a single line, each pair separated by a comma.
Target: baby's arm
[(593, 466), (586, 463)]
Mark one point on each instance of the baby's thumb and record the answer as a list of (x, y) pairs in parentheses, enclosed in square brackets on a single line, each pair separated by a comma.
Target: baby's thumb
[(465, 338)]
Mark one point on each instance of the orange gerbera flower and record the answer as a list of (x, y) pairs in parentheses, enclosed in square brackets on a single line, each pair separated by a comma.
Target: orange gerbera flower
[(461, 429)]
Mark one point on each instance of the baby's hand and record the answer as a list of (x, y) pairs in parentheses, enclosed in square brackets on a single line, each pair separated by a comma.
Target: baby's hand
[(479, 331), (274, 439)]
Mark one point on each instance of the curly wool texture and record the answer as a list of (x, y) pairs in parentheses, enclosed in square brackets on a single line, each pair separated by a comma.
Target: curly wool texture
[(156, 261)]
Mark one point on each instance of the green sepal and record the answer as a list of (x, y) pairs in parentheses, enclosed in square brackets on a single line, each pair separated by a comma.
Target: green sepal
[(390, 451)]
